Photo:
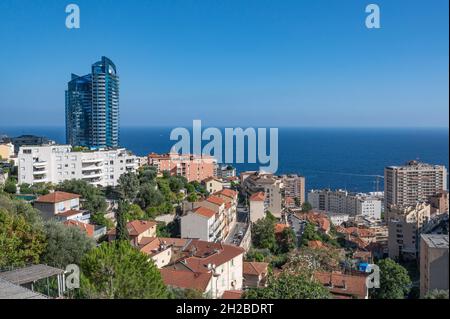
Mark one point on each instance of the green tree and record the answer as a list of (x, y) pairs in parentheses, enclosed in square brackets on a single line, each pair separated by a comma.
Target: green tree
[(289, 286), (287, 241), (25, 188), (91, 197), (263, 234), (394, 281), (149, 196), (147, 174), (437, 294), (179, 293), (65, 244), (21, 242), (10, 187), (306, 207), (128, 186), (121, 217), (309, 233), (119, 271), (134, 212), (101, 220)]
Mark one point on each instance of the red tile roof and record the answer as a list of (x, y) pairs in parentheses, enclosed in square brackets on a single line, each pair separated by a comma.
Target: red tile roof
[(57, 197), (204, 253), (254, 268), (136, 227), (203, 211), (228, 193), (88, 228), (260, 197), (280, 227), (343, 285), (232, 294), (315, 244), (186, 279), (215, 200)]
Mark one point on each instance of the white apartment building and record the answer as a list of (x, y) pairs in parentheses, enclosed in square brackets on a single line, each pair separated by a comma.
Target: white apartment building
[(57, 163), (343, 202)]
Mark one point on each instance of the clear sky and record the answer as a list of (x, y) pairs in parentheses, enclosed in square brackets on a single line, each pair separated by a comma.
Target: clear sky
[(232, 62)]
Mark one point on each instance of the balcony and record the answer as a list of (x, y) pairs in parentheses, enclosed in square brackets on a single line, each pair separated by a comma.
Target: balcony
[(92, 175), (91, 160), (39, 163)]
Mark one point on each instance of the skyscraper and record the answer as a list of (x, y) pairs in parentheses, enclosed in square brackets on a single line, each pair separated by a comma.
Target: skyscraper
[(412, 183), (92, 107)]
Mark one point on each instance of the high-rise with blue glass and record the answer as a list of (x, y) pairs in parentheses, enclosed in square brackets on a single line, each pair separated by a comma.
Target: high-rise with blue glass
[(92, 107)]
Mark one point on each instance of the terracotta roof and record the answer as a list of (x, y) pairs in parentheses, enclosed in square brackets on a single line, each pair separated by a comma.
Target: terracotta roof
[(136, 227), (280, 227), (260, 197), (215, 200), (254, 268), (88, 228), (70, 212), (56, 197), (186, 279), (149, 244), (315, 244), (232, 294), (228, 193), (211, 178), (343, 285), (205, 253), (203, 211)]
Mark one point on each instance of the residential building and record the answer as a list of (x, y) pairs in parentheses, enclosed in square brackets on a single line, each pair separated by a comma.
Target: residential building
[(6, 151), (213, 184), (192, 167), (294, 190), (343, 202), (226, 171), (211, 268), (439, 203), (255, 274), (344, 286), (58, 203), (57, 163), (137, 231), (433, 263), (211, 219), (92, 107), (413, 183), (257, 206), (267, 183), (93, 231), (404, 228), (338, 219)]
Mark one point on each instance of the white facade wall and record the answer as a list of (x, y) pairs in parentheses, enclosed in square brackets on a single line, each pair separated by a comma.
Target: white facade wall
[(197, 226), (57, 163)]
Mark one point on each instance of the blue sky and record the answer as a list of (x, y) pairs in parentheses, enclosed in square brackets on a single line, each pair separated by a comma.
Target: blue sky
[(235, 62)]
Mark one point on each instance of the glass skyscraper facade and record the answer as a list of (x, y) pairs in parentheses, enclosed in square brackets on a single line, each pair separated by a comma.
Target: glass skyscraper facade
[(92, 107)]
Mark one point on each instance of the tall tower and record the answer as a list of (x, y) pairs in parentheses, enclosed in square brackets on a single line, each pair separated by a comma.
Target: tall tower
[(92, 107)]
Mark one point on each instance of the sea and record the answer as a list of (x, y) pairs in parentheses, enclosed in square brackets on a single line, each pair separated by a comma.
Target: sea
[(336, 158)]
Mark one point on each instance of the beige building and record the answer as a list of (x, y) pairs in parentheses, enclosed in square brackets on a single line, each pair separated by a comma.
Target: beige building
[(294, 190), (439, 203), (56, 203), (412, 183), (213, 184), (404, 228), (433, 263), (270, 185), (6, 151), (257, 206), (138, 230)]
